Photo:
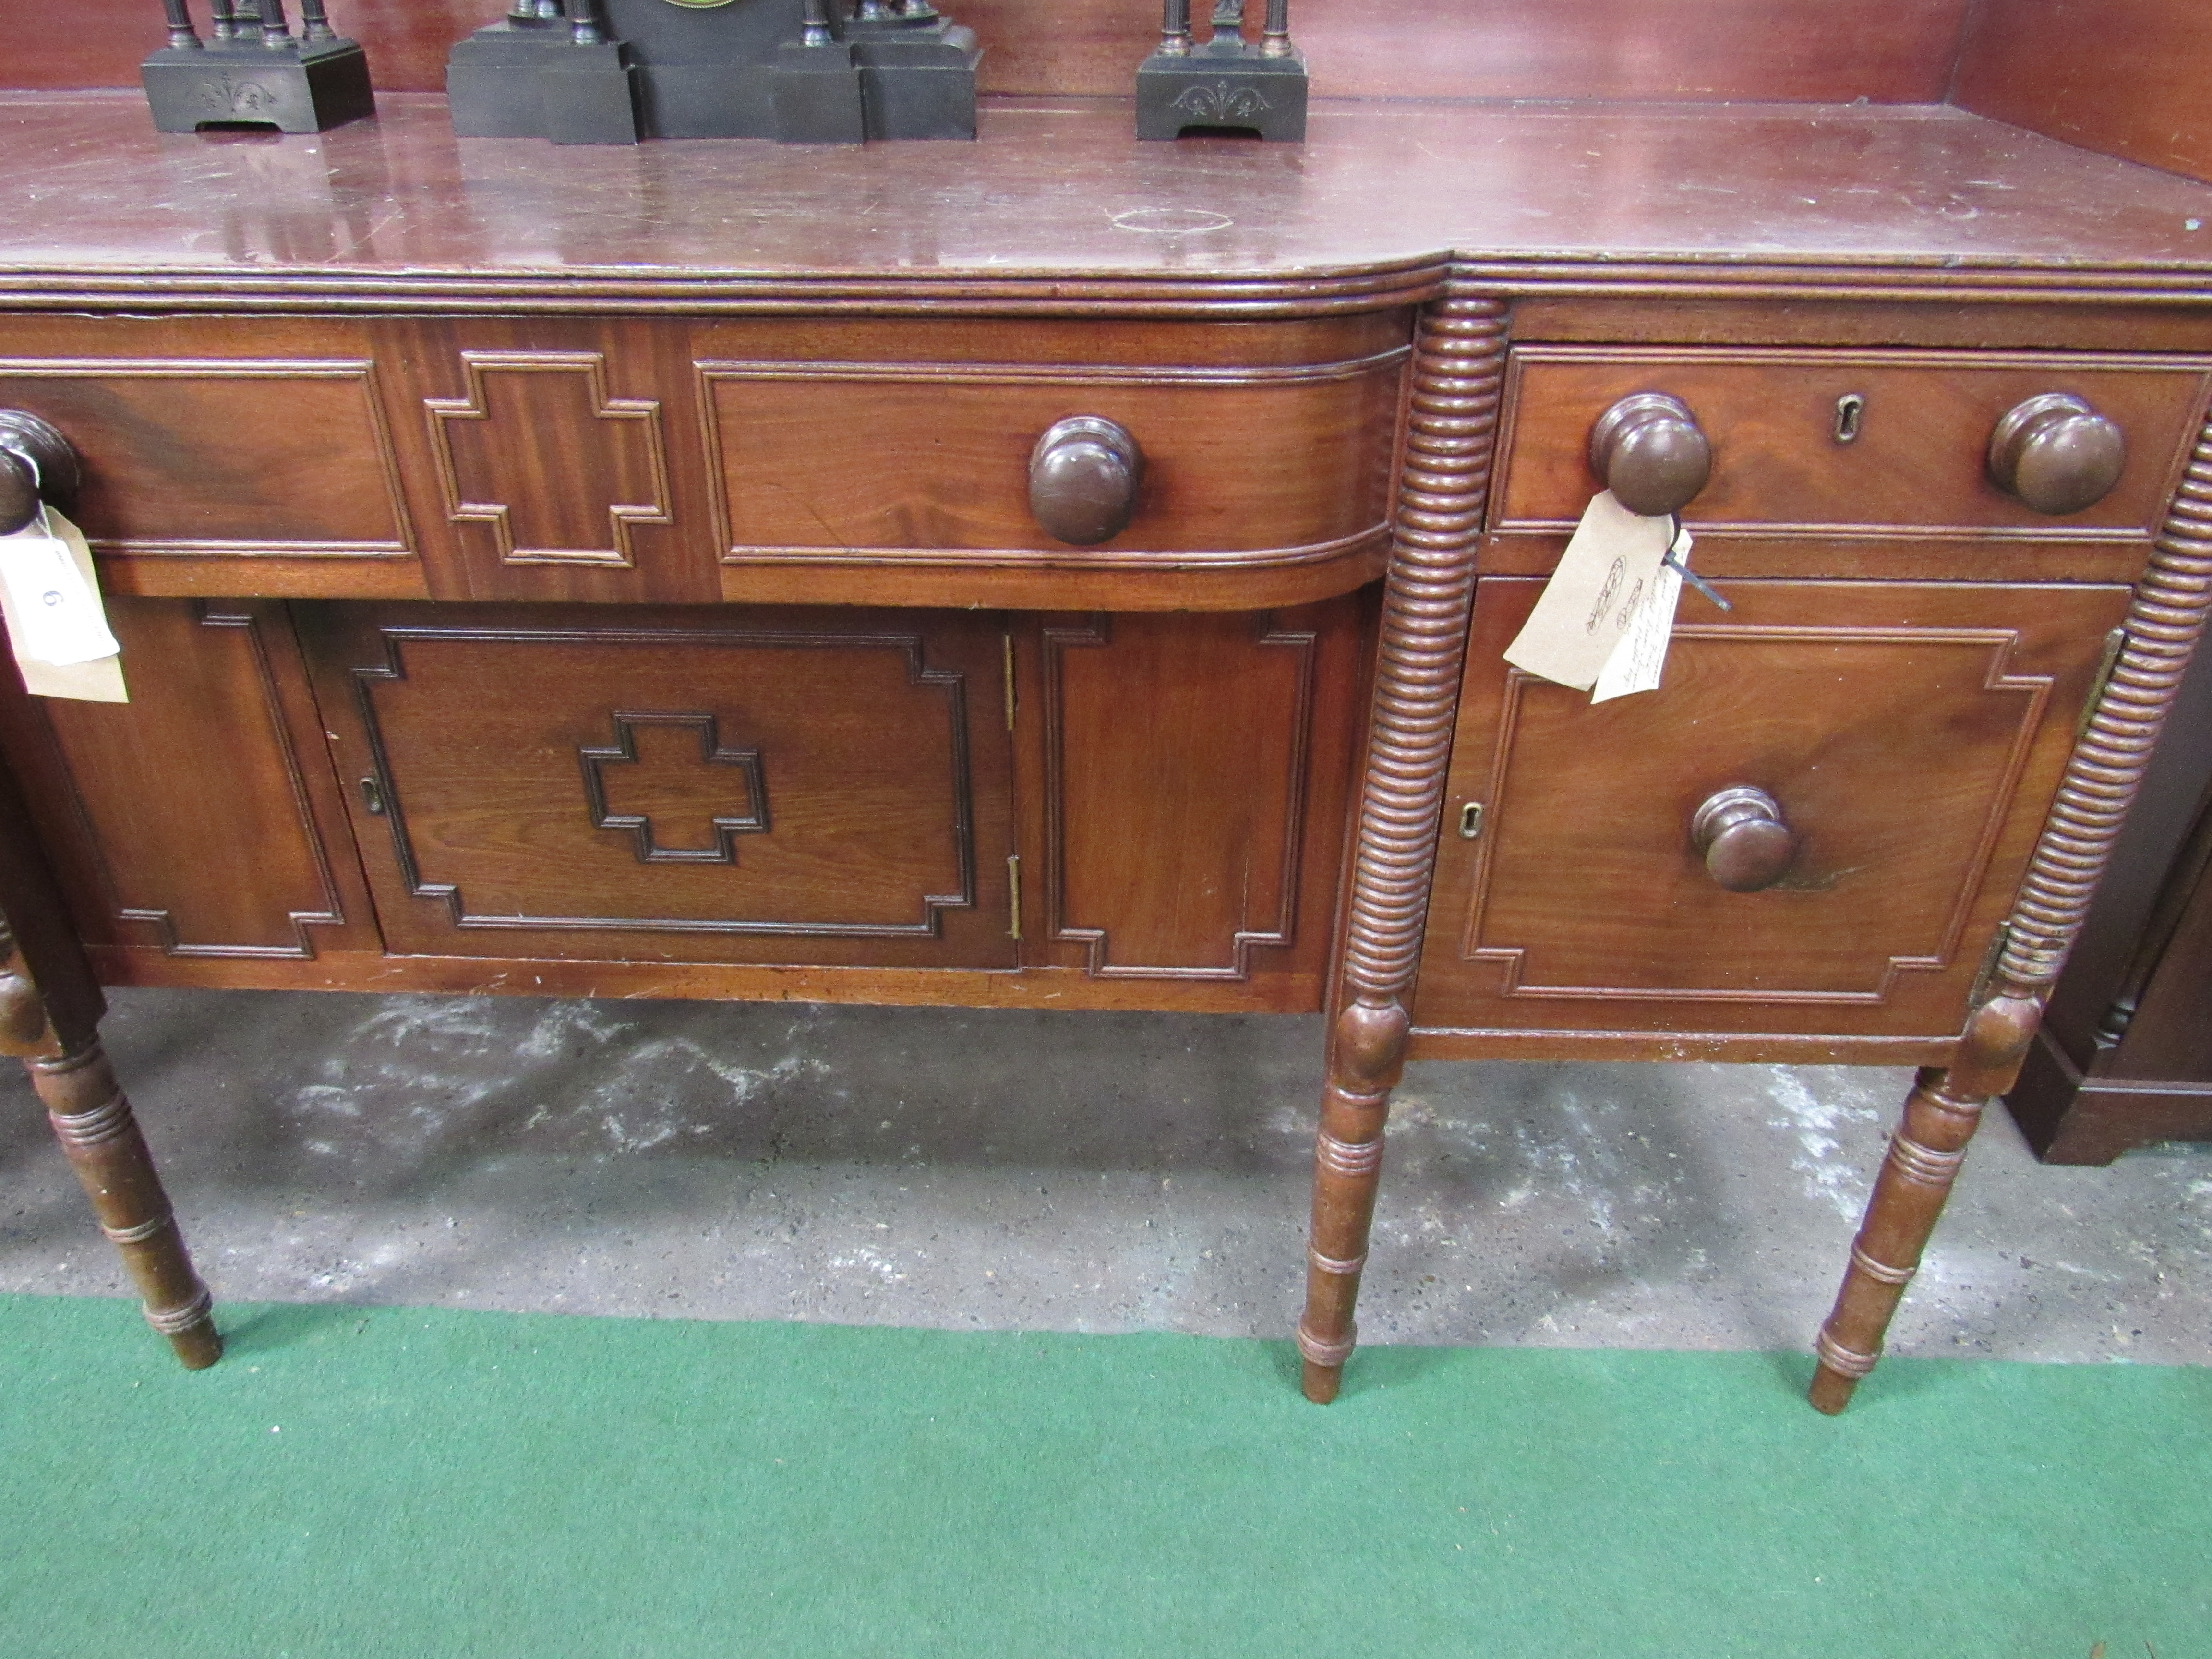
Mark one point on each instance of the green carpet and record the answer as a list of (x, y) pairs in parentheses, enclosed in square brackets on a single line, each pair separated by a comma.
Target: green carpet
[(366, 1482)]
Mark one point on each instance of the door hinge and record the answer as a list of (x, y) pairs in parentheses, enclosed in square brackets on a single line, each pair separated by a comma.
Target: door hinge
[(1014, 892), (1008, 640), (2115, 642)]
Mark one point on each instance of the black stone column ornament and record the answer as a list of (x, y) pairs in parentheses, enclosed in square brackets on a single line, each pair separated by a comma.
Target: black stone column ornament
[(252, 71), (1226, 83), (803, 71)]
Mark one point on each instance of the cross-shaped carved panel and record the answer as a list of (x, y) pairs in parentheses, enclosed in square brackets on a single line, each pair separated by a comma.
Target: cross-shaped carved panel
[(664, 773), (540, 452)]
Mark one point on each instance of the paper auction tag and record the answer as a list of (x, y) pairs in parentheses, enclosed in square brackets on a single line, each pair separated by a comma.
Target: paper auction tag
[(1641, 656), (1610, 566), (55, 623)]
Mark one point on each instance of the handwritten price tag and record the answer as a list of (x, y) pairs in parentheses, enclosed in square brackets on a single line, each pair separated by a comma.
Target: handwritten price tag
[(55, 623)]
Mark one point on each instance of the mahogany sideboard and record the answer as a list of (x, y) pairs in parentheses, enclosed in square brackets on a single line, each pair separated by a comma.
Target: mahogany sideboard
[(1067, 571)]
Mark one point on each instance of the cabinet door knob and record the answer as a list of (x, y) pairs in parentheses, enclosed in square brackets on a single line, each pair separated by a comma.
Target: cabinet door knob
[(1739, 834), (1651, 452), (2056, 454), (36, 464), (1083, 475)]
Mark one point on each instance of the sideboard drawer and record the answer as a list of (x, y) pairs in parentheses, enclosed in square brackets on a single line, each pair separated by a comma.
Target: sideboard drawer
[(1909, 457), (670, 785), (1909, 737)]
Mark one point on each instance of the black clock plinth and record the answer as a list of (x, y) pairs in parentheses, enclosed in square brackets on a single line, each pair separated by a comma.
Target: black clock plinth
[(743, 69), (296, 86), (1224, 83), (528, 78)]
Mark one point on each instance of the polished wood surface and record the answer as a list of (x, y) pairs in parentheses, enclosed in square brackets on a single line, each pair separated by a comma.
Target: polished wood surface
[(1916, 463), (2125, 77), (1057, 208), (693, 786), (199, 819), (1830, 50), (1911, 733), (1191, 775)]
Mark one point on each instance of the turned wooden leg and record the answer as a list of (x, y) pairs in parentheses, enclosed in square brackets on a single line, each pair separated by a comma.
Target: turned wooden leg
[(1941, 1116), (50, 1010), (1365, 1057), (92, 1119), (2165, 621), (1458, 366)]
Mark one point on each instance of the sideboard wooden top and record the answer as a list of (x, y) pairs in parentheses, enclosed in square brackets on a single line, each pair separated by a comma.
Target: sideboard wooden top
[(1058, 205)]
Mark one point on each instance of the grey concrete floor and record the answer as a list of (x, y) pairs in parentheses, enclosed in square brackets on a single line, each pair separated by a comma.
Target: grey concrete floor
[(1097, 1172)]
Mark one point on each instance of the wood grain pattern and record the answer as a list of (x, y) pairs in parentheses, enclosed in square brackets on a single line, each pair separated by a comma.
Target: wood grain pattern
[(1749, 49), (538, 452), (201, 817), (2126, 77), (1194, 785), (1918, 468), (1058, 209), (1243, 466), (1913, 735), (879, 777), (2164, 624), (1452, 431), (165, 475)]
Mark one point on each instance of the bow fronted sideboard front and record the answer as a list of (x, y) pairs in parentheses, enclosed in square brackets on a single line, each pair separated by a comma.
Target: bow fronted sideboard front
[(1069, 571)]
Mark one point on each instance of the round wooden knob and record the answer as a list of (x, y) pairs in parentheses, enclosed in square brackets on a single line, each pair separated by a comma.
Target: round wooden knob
[(1742, 839), (1083, 475), (36, 464), (2056, 454), (1651, 453)]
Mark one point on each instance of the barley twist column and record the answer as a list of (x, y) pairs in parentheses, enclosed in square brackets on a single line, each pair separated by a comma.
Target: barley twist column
[(1459, 359), (1941, 1113)]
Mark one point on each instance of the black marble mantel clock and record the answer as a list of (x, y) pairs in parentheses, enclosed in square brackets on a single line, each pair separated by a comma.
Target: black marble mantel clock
[(804, 71)]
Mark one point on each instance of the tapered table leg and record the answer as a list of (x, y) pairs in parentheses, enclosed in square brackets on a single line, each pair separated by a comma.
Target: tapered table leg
[(50, 1010), (1458, 365), (2163, 626), (92, 1119)]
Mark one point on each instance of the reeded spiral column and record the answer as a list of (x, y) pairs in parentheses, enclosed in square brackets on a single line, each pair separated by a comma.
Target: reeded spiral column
[(1459, 363), (2163, 626)]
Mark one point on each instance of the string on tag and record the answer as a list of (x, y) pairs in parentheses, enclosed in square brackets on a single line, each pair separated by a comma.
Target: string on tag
[(1674, 559)]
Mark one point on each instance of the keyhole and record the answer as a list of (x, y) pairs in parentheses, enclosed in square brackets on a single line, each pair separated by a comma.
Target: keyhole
[(1850, 409)]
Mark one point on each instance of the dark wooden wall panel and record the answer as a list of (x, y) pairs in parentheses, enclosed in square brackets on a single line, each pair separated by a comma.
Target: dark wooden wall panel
[(2125, 77), (1819, 51)]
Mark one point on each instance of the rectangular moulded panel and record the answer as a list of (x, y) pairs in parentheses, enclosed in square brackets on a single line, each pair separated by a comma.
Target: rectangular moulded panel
[(1911, 736), (676, 786), (256, 468), (1193, 777), (201, 817)]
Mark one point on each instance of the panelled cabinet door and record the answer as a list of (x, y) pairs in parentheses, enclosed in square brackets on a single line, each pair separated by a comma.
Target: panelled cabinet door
[(671, 786), (200, 820), (1813, 827)]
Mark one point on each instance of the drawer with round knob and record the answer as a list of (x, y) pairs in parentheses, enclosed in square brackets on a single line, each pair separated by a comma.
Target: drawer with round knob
[(2018, 455), (1173, 465), (1812, 828)]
